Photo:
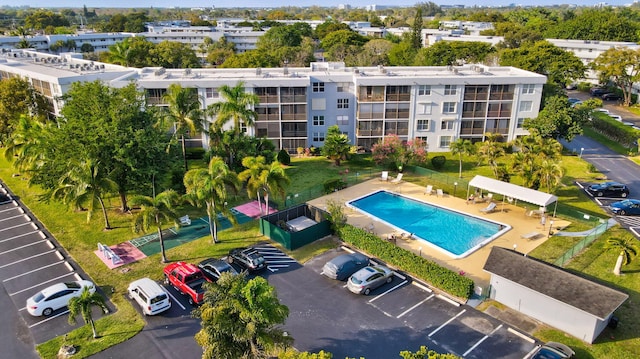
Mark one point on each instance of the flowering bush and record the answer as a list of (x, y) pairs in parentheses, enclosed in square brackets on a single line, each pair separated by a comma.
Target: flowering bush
[(395, 153)]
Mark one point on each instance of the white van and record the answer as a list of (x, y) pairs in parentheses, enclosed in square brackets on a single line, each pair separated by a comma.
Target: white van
[(149, 295)]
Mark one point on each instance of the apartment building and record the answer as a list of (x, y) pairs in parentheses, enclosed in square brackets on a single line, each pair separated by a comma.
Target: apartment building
[(297, 105)]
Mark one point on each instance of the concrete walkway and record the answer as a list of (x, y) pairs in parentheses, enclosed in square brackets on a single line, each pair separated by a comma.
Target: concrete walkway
[(472, 264)]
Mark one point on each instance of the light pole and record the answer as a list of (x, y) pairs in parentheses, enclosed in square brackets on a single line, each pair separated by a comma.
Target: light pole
[(455, 186), (550, 228), (581, 150)]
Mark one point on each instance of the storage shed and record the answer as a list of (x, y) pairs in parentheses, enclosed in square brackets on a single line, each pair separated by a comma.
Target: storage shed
[(550, 294), (296, 226)]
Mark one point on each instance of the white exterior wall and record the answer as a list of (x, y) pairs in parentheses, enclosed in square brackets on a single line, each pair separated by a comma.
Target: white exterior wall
[(550, 311)]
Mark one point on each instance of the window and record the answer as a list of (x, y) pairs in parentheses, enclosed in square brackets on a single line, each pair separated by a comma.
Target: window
[(520, 122), (449, 89), (318, 136), (446, 125), (318, 120), (448, 107), (422, 125), (343, 103), (424, 90), (525, 106), (424, 108), (211, 92), (318, 87), (344, 86), (342, 120), (528, 88), (445, 141)]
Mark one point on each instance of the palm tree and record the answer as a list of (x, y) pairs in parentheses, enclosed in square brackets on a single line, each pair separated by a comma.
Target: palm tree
[(262, 177), (209, 186), (154, 212), (237, 106), (86, 184), (490, 150), (120, 53), (184, 112), (628, 250), (23, 147), (461, 147), (83, 305), (550, 174)]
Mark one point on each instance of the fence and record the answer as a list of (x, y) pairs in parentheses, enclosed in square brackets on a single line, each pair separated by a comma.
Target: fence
[(583, 243)]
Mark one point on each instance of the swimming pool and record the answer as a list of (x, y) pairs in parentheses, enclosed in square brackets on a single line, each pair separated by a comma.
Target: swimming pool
[(455, 233)]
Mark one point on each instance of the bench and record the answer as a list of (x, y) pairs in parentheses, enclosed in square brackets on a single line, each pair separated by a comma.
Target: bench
[(530, 235), (108, 254)]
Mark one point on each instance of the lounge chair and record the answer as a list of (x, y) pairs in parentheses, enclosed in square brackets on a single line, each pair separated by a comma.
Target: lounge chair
[(490, 208), (397, 179), (429, 190), (385, 176), (439, 192), (530, 235)]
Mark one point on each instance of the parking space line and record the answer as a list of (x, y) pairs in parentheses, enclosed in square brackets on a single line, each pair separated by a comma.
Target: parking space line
[(481, 340), (445, 323), (415, 306), (12, 209), (12, 217), (19, 225), (390, 290), (24, 246), (278, 265), (18, 236), (31, 257), (426, 289), (174, 298), (31, 271), (279, 261), (49, 318), (39, 284)]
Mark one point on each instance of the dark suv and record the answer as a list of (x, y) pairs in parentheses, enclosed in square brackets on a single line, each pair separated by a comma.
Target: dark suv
[(248, 258), (598, 91), (609, 189)]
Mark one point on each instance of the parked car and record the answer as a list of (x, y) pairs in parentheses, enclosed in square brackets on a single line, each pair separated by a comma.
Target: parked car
[(57, 296), (598, 91), (616, 117), (573, 101), (626, 207), (571, 86), (342, 266), (609, 189), (213, 268), (248, 258), (187, 279), (369, 278), (552, 350), (149, 295), (611, 97), (603, 110)]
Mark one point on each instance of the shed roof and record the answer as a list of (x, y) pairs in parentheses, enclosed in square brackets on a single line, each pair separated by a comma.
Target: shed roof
[(554, 282), (513, 190)]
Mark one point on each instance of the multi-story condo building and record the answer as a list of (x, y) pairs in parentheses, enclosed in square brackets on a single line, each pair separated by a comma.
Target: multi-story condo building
[(297, 105)]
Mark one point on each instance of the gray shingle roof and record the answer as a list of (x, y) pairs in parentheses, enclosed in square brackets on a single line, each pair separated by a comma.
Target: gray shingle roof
[(554, 282)]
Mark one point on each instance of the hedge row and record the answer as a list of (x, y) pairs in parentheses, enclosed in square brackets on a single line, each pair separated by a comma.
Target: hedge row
[(445, 279), (615, 131)]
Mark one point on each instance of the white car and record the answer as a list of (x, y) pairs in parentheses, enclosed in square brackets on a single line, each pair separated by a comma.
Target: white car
[(56, 296)]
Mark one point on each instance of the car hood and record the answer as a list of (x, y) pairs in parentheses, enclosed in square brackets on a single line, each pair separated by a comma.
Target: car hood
[(621, 204)]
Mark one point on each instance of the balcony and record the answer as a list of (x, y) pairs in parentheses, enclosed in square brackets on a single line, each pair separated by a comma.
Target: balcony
[(368, 133)]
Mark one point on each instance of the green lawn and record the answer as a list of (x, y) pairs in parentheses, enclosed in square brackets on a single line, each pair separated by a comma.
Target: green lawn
[(79, 238)]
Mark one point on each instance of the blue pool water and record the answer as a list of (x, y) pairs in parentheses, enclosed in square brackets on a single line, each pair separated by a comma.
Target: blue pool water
[(455, 233)]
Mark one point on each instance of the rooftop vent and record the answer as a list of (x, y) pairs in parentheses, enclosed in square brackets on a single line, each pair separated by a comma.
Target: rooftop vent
[(160, 71)]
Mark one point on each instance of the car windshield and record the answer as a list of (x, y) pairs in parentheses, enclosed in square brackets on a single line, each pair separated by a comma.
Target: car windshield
[(38, 297), (626, 202), (548, 353), (72, 285), (256, 258)]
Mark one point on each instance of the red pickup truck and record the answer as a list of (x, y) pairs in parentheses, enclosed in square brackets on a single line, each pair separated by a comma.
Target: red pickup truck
[(187, 279)]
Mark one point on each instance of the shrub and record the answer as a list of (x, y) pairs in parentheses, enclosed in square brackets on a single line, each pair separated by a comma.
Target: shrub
[(438, 162), (283, 157), (336, 215), (333, 185), (195, 153), (443, 278)]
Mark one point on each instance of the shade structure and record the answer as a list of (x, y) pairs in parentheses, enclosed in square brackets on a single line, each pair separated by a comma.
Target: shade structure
[(506, 189)]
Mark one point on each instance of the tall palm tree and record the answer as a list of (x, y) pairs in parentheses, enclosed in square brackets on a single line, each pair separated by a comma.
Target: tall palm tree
[(185, 112), (154, 212), (120, 53), (86, 184), (628, 251), (461, 147), (83, 305), (24, 146), (263, 177), (209, 186), (237, 106)]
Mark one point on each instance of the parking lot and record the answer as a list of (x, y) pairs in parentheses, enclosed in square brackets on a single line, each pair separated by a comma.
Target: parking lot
[(30, 260), (632, 223)]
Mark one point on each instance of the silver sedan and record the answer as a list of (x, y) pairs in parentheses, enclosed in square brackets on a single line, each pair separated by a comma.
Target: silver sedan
[(369, 278)]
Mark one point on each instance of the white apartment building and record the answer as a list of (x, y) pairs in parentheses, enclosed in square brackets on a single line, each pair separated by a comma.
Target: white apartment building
[(297, 105)]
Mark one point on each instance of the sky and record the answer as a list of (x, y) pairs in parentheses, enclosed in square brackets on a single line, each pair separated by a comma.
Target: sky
[(278, 3)]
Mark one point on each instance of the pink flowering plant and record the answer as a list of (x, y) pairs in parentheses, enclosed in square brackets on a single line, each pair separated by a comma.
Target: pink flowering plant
[(393, 152)]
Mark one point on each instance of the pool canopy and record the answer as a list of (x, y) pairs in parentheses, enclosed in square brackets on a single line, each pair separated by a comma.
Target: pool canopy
[(520, 193)]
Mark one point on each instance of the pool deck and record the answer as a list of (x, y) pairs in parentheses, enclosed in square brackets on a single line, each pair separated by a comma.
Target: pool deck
[(522, 233)]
